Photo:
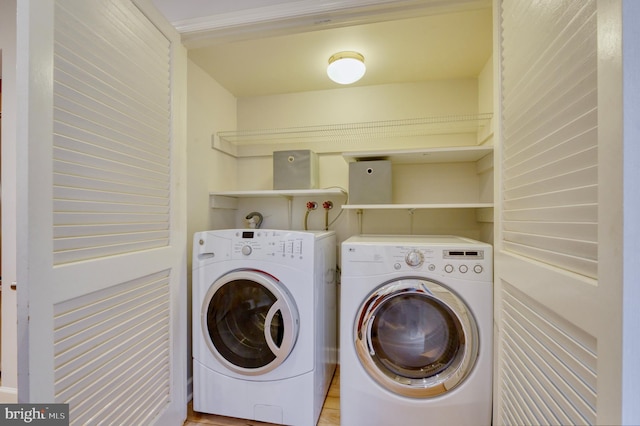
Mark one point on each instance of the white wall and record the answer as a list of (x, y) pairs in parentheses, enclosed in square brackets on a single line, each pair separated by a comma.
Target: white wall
[(8, 391), (350, 105), (485, 87), (485, 104), (631, 245), (359, 104), (209, 107)]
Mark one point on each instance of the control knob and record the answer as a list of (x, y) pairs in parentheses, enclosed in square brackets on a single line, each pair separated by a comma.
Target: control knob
[(246, 250), (414, 258)]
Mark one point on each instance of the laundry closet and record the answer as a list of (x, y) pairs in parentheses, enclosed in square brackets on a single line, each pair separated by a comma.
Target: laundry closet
[(536, 134), (454, 194), (436, 136)]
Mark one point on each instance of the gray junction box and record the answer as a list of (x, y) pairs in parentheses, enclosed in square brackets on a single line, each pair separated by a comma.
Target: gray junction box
[(296, 169), (370, 182)]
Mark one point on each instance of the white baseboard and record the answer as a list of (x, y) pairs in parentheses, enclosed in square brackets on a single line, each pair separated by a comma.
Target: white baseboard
[(8, 395)]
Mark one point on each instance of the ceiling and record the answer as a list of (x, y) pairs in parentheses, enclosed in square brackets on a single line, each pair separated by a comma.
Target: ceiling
[(266, 47)]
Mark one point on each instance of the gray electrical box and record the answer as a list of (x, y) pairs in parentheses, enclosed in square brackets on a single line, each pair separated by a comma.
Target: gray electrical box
[(370, 182), (295, 169)]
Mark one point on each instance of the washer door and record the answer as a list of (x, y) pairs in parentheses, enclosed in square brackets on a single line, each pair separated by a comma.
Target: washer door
[(416, 338), (250, 321)]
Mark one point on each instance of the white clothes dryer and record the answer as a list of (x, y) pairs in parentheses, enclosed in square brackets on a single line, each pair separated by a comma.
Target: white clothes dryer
[(264, 323), (416, 331)]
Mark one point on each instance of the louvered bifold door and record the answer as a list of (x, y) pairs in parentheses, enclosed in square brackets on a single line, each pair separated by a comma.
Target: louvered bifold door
[(558, 332), (550, 174), (111, 135), (105, 233)]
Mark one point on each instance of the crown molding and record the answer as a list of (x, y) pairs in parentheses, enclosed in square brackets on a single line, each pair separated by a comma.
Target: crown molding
[(308, 15)]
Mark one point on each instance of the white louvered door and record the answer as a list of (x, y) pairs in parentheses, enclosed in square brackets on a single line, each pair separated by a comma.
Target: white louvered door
[(558, 249), (102, 214)]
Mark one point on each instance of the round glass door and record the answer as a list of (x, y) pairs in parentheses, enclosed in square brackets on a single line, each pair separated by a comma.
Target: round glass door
[(250, 322), (416, 338)]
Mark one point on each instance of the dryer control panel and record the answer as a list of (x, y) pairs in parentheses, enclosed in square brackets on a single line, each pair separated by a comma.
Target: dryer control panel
[(470, 261), (465, 263)]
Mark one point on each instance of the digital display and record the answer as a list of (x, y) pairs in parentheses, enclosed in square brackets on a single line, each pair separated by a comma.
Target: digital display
[(247, 234)]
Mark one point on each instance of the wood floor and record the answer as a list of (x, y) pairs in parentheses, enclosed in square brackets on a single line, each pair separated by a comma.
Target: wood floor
[(330, 415)]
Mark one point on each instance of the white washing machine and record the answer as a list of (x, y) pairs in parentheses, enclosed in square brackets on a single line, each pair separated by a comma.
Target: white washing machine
[(264, 323), (416, 327)]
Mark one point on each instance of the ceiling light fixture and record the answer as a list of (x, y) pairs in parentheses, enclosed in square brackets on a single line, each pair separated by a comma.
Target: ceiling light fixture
[(346, 67)]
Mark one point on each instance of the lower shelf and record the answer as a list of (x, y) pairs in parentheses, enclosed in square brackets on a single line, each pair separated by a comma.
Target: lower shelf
[(228, 199), (483, 211)]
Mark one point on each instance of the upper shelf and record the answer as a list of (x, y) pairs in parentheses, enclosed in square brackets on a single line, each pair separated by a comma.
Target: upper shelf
[(426, 155), (468, 123)]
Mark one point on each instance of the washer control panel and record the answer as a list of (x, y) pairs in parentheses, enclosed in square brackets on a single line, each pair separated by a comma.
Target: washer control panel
[(268, 244), (285, 247)]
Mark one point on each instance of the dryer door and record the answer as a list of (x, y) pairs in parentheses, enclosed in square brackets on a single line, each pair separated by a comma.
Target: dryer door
[(250, 321), (416, 338)]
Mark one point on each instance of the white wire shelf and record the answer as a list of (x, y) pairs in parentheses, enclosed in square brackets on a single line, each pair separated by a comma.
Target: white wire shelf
[(449, 124)]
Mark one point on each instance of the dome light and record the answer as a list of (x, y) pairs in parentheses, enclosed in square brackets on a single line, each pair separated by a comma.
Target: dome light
[(346, 67)]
